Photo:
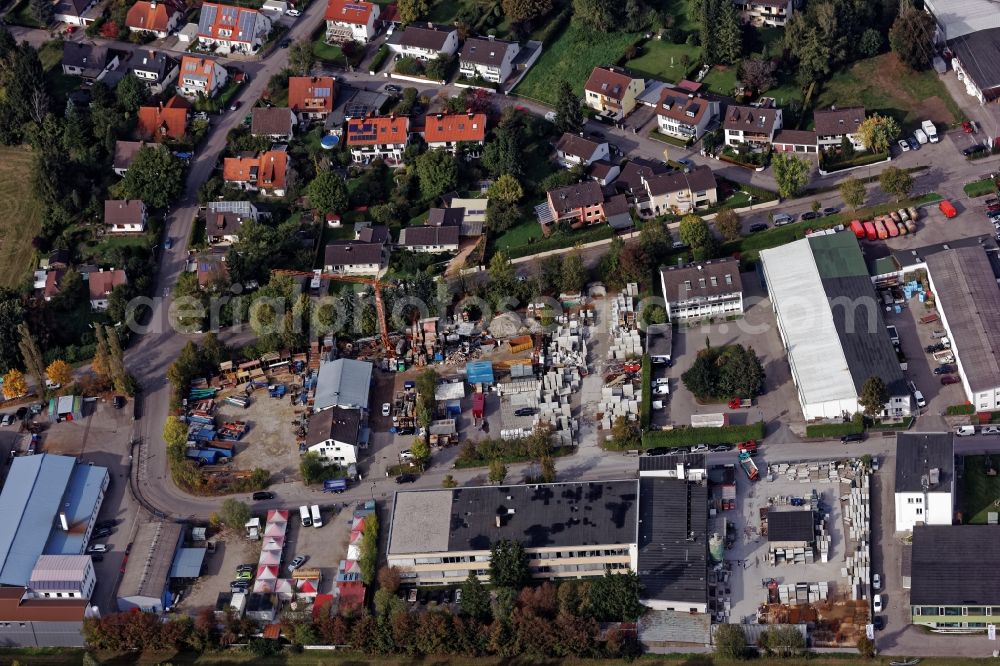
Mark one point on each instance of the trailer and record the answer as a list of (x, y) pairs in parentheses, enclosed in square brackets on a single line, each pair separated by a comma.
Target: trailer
[(929, 318), (883, 233), (334, 485), (750, 446), (948, 209), (858, 229), (748, 465), (709, 420), (944, 356), (740, 403), (890, 226), (478, 405), (870, 232)]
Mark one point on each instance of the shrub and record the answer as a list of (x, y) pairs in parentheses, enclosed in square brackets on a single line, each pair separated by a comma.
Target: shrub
[(647, 395), (379, 58), (958, 410), (832, 430), (689, 436)]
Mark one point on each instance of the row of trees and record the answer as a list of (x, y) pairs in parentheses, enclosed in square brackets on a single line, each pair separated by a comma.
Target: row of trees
[(782, 641)]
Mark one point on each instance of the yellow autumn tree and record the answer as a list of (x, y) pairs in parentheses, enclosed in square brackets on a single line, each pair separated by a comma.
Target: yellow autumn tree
[(60, 372), (14, 384)]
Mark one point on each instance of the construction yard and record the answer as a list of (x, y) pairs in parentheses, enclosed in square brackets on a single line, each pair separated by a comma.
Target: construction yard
[(798, 550), (270, 440)]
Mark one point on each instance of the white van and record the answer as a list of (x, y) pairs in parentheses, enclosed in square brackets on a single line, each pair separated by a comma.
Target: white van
[(304, 515), (965, 431), (917, 395), (317, 519)]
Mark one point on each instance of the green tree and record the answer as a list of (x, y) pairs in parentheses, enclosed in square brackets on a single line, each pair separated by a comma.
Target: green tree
[(438, 173), (548, 469), (708, 21), (866, 647), (874, 396), (573, 276), (33, 360), (728, 224), (911, 37), (846, 146), (131, 93), (475, 598), (301, 57), (519, 11), (654, 314), (740, 372), (505, 189), (175, 434), (449, 481), (791, 173), (701, 378), (696, 234), (501, 216), (313, 468), (896, 182), (654, 238), (569, 115), (729, 35), (615, 597), (871, 43), (498, 471), (508, 564), (757, 74), (42, 11), (328, 192), (155, 176), (421, 451), (11, 315), (730, 641), (877, 132), (625, 434), (599, 15), (852, 191), (503, 154), (368, 560), (234, 513), (411, 10)]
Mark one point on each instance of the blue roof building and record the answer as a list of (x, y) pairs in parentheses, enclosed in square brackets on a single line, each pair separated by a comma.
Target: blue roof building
[(479, 372), (49, 504)]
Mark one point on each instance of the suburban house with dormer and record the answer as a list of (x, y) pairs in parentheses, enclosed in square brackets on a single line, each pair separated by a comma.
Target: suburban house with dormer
[(223, 220), (760, 13), (88, 61), (152, 17), (200, 76), (424, 41), (575, 149), (684, 116), (311, 97), (101, 283), (350, 21), (275, 122), (382, 137), (833, 124), (232, 29), (452, 130), (580, 204), (166, 121), (750, 124), (612, 92), (124, 216), (679, 192), (489, 59), (156, 70), (266, 173)]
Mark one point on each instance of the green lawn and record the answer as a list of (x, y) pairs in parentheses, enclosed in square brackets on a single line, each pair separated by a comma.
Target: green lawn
[(766, 42), (682, 12), (662, 60), (979, 493), (981, 188), (721, 79), (20, 216), (520, 235), (883, 85), (572, 57)]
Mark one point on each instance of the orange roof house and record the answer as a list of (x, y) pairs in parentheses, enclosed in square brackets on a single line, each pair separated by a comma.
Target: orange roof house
[(382, 137), (444, 131), (165, 121), (151, 16), (267, 172), (311, 96)]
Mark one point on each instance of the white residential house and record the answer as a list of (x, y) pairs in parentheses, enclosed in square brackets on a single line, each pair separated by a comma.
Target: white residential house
[(424, 41), (124, 216), (684, 117), (833, 124), (706, 289), (378, 137), (232, 29), (759, 13), (925, 479), (152, 17), (156, 69), (752, 125), (335, 434), (200, 76), (355, 257), (575, 149), (101, 283), (489, 59), (680, 192), (350, 21), (430, 238)]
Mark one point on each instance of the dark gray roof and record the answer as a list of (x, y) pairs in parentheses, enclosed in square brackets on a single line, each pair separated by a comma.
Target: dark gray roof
[(561, 514), (662, 463), (979, 53), (488, 52), (673, 540), (352, 253), (833, 122), (84, 56), (427, 36), (125, 152), (354, 103), (750, 119), (617, 205), (659, 339), (267, 121), (726, 272), (577, 146), (630, 180), (579, 195), (919, 452), (795, 137), (790, 525), (378, 233), (342, 425), (427, 235), (955, 565), (151, 61), (904, 258), (698, 180), (969, 298), (445, 217)]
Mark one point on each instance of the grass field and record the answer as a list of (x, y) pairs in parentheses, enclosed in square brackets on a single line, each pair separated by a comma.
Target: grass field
[(883, 85), (20, 216), (572, 57), (980, 188), (519, 235), (978, 491), (662, 60), (681, 11), (721, 79)]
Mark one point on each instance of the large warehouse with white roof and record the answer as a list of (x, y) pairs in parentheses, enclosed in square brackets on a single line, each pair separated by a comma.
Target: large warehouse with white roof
[(831, 325), (971, 30)]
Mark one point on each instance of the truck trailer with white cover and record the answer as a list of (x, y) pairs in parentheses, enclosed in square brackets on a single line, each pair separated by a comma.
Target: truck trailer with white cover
[(317, 518)]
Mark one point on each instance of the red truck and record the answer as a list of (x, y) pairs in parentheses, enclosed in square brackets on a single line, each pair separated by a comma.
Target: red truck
[(740, 403), (870, 232), (858, 229), (750, 446), (948, 210)]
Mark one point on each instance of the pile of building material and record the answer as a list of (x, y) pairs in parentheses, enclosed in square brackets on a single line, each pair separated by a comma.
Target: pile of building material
[(808, 472), (625, 341), (619, 400), (803, 593), (857, 521), (567, 346), (550, 395)]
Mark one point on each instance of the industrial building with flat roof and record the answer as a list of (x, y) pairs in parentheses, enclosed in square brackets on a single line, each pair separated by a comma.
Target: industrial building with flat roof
[(790, 528), (49, 503), (655, 526), (925, 479), (145, 584), (344, 383), (831, 325), (968, 301), (954, 584)]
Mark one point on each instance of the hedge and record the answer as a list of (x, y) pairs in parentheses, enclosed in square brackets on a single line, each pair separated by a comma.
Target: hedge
[(688, 436), (559, 241), (645, 405), (379, 59), (902, 425), (830, 165), (554, 27), (957, 410), (831, 430)]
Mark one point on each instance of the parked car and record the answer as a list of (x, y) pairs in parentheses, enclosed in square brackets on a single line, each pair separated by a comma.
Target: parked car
[(458, 596), (238, 586), (965, 431), (245, 567), (118, 401), (98, 548), (102, 532), (759, 226), (781, 219), (524, 411), (974, 149), (990, 430), (263, 495), (7, 420), (686, 164), (244, 575), (393, 89), (659, 451), (294, 13), (876, 582), (949, 379), (386, 409), (877, 603), (930, 349), (905, 147), (701, 448), (661, 389), (406, 454), (829, 210), (406, 478), (944, 369), (854, 437), (808, 215), (297, 562), (719, 448), (235, 105), (966, 127)]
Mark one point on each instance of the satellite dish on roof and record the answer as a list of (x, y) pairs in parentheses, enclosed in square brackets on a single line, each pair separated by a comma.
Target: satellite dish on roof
[(329, 142)]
